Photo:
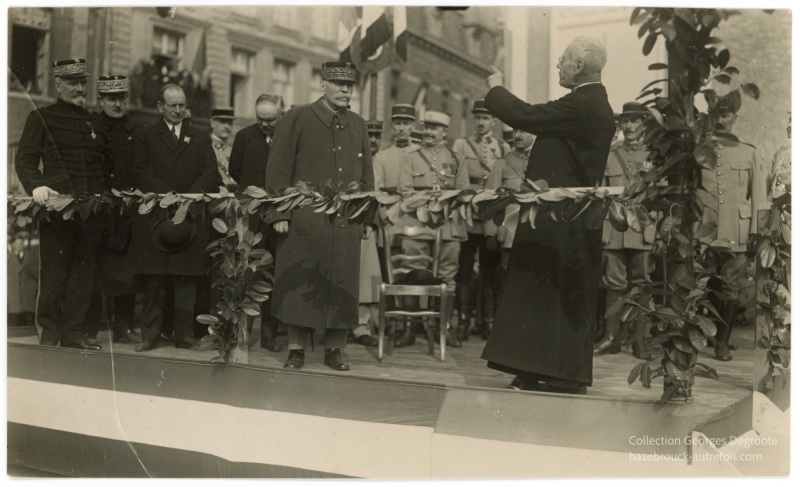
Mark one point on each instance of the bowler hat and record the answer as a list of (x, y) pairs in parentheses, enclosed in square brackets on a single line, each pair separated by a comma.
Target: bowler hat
[(169, 237), (403, 110), (70, 68), (226, 113), (112, 85), (339, 71), (478, 107)]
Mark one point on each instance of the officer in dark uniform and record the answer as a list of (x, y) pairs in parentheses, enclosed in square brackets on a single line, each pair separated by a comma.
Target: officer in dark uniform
[(374, 131), (74, 161), (115, 267)]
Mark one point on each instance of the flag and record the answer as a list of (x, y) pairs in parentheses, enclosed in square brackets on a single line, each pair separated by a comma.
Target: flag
[(400, 32), (348, 25), (375, 30)]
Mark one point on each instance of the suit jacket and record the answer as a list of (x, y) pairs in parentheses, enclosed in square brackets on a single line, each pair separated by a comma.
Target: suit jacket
[(160, 166), (248, 160)]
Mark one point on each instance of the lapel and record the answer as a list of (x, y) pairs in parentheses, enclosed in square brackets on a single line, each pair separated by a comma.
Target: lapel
[(262, 149), (182, 143), (166, 136)]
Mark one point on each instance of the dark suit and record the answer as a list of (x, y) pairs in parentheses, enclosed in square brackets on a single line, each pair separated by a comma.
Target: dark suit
[(248, 161), (545, 321), (160, 166), (248, 166)]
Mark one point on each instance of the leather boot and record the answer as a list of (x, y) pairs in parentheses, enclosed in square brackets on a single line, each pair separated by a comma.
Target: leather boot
[(722, 351), (451, 340), (464, 307), (406, 338), (612, 339), (487, 311)]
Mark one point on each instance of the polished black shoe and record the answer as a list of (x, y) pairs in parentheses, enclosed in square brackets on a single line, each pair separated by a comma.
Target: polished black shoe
[(296, 360), (270, 345), (186, 343), (146, 346), (406, 338), (519, 384), (487, 330), (81, 344), (367, 341), (610, 344), (333, 359), (127, 336), (91, 340)]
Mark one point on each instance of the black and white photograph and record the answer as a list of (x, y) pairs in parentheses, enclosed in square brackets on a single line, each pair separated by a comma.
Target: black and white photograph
[(416, 242)]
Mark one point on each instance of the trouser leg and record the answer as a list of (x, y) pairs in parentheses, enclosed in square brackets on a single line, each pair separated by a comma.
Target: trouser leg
[(56, 242), (297, 336), (81, 279), (463, 278), (124, 305), (153, 307), (335, 338), (185, 289), (488, 261)]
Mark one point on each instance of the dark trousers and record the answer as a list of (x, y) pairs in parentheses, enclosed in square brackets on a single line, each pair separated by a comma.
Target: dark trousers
[(488, 260), (184, 291), (66, 276)]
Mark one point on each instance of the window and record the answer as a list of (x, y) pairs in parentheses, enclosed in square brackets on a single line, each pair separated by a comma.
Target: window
[(167, 43), (283, 80), (313, 85), (241, 69), (28, 50)]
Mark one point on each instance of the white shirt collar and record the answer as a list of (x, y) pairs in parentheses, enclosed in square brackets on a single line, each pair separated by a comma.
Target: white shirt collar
[(585, 84), (177, 127)]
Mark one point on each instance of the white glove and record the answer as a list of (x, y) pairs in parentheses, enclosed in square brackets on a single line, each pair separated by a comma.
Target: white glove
[(42, 194), (496, 78)]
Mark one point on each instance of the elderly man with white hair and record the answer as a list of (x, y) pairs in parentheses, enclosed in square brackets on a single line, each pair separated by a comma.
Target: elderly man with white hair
[(544, 325)]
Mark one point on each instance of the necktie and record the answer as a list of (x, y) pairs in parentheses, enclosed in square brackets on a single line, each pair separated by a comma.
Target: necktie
[(174, 135)]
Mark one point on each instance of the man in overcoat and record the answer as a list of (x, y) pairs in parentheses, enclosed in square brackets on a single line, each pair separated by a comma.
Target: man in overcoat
[(115, 276), (317, 263), (248, 166), (172, 156), (545, 321), (74, 159)]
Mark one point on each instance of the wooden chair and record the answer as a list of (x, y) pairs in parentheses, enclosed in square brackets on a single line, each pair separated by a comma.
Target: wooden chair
[(433, 298)]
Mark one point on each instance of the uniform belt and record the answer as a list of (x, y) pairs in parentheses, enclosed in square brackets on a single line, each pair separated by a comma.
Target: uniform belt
[(390, 189), (476, 180)]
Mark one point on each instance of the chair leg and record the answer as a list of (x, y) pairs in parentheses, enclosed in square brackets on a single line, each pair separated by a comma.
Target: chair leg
[(381, 320), (429, 334)]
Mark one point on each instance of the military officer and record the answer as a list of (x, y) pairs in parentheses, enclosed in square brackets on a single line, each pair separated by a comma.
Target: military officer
[(626, 255), (732, 207), (387, 161), (115, 268), (483, 150), (74, 161), (374, 131), (435, 166), (221, 127)]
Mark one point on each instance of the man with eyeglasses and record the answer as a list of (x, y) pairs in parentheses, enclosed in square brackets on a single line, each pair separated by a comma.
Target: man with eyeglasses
[(248, 165), (170, 155)]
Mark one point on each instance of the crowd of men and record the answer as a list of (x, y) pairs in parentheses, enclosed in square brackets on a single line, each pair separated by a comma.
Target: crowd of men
[(536, 297)]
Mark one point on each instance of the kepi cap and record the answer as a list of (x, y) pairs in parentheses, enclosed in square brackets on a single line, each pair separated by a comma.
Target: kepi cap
[(110, 85), (634, 109), (437, 117), (70, 68), (224, 113), (374, 126), (403, 110), (478, 107), (339, 71)]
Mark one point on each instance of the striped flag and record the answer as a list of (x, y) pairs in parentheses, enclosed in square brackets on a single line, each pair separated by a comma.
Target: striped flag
[(375, 30), (348, 25)]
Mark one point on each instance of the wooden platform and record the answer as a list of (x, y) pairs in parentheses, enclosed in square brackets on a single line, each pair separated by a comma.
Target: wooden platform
[(408, 415)]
